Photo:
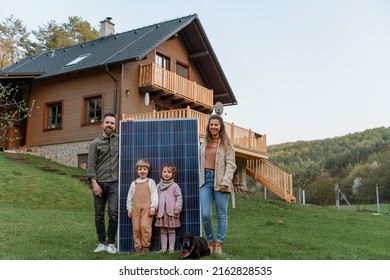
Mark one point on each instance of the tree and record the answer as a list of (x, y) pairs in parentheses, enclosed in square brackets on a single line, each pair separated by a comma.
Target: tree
[(322, 190), (356, 192), (382, 175), (14, 41), (13, 110), (305, 173), (54, 36)]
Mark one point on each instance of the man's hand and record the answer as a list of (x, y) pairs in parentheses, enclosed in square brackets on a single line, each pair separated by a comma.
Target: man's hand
[(96, 189)]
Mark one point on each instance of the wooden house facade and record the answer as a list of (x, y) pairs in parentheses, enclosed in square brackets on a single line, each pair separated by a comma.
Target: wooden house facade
[(165, 70)]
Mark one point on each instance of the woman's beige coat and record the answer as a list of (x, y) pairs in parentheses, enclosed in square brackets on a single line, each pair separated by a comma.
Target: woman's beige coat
[(225, 166)]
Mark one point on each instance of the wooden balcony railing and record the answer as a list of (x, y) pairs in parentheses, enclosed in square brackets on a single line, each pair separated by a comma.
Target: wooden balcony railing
[(241, 138), (246, 139), (162, 79)]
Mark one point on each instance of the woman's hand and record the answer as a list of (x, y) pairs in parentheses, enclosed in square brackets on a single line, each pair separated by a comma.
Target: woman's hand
[(223, 188)]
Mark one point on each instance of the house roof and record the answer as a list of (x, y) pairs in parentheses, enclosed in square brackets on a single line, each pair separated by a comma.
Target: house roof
[(130, 46)]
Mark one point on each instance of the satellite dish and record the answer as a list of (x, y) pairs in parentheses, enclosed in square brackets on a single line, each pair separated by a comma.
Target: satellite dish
[(218, 108), (147, 98)]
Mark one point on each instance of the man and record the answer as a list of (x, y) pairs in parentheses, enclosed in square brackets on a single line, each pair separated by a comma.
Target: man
[(103, 170)]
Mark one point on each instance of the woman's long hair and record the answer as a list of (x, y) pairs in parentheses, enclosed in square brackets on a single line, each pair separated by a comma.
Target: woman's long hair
[(224, 139)]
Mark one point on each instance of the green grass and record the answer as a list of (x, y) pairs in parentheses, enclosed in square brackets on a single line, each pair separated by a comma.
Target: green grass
[(47, 216)]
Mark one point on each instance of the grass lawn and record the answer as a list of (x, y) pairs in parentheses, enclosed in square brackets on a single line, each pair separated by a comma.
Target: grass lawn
[(47, 216)]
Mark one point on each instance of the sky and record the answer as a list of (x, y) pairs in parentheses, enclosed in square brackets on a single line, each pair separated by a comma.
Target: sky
[(300, 69)]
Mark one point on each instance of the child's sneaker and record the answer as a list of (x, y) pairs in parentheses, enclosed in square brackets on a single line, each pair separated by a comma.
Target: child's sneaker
[(111, 249), (100, 248), (145, 250), (138, 251)]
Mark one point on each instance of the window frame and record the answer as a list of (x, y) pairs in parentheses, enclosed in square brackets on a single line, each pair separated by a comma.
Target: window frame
[(183, 66), (85, 120), (82, 161), (47, 117), (77, 60), (165, 61)]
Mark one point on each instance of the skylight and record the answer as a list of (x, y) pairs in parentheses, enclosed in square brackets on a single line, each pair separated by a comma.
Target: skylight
[(77, 60)]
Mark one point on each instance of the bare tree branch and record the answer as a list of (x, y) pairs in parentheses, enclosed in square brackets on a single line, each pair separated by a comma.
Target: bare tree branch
[(12, 111)]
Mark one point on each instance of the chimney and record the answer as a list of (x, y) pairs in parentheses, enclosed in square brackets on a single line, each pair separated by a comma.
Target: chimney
[(106, 27)]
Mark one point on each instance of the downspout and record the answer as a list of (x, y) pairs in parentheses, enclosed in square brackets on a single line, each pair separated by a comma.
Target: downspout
[(121, 86), (115, 88)]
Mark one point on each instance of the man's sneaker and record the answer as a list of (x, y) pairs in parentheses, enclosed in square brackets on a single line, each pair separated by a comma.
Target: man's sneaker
[(100, 248), (111, 249)]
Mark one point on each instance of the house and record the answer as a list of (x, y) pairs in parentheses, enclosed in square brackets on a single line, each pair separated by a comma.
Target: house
[(164, 70)]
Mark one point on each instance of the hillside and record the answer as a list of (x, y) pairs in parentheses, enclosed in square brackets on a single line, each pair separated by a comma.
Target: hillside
[(344, 158), (352, 148)]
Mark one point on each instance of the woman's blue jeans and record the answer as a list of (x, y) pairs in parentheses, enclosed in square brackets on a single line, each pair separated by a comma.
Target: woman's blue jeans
[(208, 196)]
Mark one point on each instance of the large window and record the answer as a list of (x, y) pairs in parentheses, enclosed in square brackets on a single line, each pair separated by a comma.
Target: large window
[(182, 70), (53, 115), (93, 109), (162, 77)]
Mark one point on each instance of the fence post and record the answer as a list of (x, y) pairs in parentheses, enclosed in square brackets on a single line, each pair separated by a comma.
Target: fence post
[(232, 134), (377, 197), (250, 144)]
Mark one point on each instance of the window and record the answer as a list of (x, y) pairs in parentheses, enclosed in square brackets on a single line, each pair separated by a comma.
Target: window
[(93, 109), (162, 61), (182, 70), (77, 60), (54, 115), (82, 161), (162, 77)]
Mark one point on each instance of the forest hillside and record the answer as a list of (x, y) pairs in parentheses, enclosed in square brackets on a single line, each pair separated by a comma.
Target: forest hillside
[(358, 163)]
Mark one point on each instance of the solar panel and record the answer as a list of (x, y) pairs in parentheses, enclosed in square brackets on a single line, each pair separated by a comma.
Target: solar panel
[(171, 140)]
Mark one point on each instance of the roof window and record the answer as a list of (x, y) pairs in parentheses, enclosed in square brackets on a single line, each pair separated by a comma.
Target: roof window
[(77, 60)]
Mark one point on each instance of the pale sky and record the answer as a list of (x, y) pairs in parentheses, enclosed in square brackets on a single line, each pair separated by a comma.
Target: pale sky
[(300, 69)]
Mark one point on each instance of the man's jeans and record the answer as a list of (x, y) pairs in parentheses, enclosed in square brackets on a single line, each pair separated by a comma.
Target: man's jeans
[(110, 195), (207, 196)]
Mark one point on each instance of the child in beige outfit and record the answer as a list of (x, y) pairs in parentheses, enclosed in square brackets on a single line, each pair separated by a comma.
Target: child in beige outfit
[(142, 202)]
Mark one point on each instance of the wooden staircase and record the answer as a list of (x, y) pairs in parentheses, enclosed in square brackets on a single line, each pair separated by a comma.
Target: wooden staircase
[(271, 177)]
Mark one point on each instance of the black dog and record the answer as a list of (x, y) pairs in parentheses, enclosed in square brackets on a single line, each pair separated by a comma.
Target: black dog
[(193, 247)]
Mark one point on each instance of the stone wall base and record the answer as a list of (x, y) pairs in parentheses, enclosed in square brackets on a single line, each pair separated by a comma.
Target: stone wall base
[(66, 154)]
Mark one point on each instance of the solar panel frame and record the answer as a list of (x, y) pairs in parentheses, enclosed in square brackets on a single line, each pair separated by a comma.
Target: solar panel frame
[(170, 140)]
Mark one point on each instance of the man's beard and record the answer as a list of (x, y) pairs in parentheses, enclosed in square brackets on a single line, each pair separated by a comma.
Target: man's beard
[(108, 131)]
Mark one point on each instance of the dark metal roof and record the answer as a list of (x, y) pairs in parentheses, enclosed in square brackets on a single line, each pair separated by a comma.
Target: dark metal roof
[(131, 46)]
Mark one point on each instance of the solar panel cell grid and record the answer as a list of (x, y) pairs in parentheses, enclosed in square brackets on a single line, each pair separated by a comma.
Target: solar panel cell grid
[(159, 141)]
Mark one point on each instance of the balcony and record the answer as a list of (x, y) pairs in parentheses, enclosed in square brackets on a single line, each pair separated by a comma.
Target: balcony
[(247, 144), (166, 85)]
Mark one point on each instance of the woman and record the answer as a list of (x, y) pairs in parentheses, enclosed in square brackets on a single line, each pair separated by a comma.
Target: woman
[(217, 166)]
